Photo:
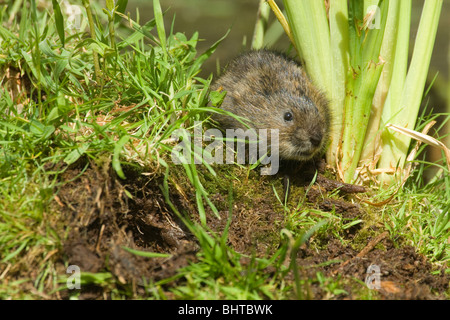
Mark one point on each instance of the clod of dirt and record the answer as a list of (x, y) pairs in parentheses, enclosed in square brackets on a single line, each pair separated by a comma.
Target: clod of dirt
[(80, 255), (404, 274), (348, 210), (102, 220)]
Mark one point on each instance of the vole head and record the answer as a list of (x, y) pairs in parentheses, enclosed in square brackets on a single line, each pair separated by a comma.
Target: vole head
[(302, 128), (274, 92)]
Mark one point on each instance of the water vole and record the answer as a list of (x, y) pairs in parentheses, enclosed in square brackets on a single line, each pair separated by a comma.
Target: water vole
[(274, 92)]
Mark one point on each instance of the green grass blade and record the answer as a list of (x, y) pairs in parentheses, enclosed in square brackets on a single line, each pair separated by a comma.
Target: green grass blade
[(146, 254), (394, 52), (160, 25), (121, 7), (59, 20), (261, 25), (116, 157)]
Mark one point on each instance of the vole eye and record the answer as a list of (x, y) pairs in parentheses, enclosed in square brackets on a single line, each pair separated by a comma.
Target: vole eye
[(288, 116)]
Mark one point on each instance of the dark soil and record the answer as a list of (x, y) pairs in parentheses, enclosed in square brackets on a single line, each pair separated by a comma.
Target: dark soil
[(101, 219)]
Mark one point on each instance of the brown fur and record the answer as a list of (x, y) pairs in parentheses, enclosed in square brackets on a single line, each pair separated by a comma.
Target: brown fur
[(263, 86)]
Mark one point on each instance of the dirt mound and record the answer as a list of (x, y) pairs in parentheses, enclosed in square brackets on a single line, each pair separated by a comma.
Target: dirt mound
[(103, 216)]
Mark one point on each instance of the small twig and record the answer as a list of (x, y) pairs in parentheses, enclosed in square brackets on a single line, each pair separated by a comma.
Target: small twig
[(420, 137), (5, 271), (344, 187), (363, 252), (99, 239)]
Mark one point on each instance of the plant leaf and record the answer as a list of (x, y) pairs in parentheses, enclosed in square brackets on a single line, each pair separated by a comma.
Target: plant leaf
[(59, 20)]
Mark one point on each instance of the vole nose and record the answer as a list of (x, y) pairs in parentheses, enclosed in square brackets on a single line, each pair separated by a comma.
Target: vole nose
[(316, 139)]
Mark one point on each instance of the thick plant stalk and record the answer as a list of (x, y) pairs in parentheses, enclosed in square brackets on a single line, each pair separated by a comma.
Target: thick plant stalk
[(395, 146), (309, 25), (357, 54), (394, 51), (354, 132), (339, 39), (366, 68)]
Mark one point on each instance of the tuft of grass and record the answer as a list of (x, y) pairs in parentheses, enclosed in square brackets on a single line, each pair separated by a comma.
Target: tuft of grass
[(56, 111)]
